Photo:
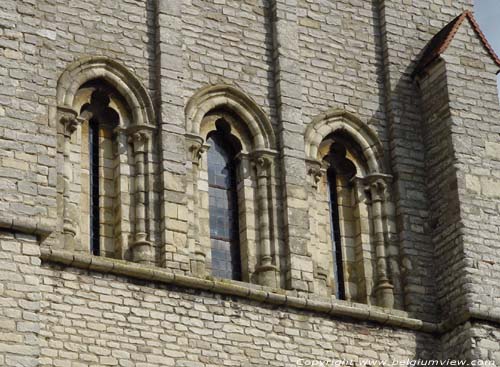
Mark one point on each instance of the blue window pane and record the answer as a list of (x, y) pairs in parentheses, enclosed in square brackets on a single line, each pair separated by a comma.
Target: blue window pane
[(223, 210)]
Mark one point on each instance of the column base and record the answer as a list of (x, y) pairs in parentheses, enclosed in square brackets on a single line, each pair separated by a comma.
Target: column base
[(268, 275), (142, 252), (385, 294), (198, 264)]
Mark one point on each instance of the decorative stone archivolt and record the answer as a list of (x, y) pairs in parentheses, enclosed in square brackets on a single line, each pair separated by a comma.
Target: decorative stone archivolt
[(130, 149), (364, 200), (208, 108), (336, 119), (100, 67), (227, 97)]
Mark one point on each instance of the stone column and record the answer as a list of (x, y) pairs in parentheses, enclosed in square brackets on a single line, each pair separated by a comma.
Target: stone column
[(196, 148), (141, 248), (366, 275), (266, 267), (384, 290), (69, 123), (315, 171)]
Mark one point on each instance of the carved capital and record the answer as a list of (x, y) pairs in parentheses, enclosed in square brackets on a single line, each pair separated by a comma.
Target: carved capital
[(69, 120), (315, 170), (139, 140), (378, 190), (262, 161), (196, 146), (70, 124), (377, 185), (138, 136), (261, 165), (196, 151)]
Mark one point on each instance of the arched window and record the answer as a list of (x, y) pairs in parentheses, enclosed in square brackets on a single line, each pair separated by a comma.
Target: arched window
[(223, 206), (233, 188), (352, 224), (99, 154), (105, 150), (340, 171)]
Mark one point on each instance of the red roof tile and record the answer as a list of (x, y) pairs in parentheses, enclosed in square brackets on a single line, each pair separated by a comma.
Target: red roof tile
[(440, 42)]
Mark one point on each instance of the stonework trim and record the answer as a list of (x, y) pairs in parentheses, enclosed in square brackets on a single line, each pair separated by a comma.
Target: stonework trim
[(471, 314), (334, 308), (224, 96), (337, 119), (441, 41), (130, 87)]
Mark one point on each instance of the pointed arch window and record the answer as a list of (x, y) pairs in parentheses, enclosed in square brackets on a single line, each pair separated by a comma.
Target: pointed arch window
[(223, 206)]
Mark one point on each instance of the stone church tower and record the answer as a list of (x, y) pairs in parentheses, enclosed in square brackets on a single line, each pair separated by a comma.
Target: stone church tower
[(245, 183)]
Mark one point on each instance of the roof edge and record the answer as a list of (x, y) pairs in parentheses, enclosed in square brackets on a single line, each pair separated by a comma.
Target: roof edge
[(442, 40)]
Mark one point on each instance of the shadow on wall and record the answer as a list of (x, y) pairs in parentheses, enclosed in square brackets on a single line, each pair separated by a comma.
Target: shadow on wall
[(399, 103)]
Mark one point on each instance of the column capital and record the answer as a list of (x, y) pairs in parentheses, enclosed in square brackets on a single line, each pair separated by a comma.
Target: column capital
[(196, 146), (69, 119), (139, 140), (376, 184), (262, 160), (316, 169), (138, 136)]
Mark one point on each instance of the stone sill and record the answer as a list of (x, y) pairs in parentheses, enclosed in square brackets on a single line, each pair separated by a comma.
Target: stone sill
[(279, 297)]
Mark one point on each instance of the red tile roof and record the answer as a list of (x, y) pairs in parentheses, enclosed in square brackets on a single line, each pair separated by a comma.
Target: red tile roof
[(440, 42)]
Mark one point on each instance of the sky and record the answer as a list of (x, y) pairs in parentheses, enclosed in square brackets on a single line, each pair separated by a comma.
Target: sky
[(487, 13)]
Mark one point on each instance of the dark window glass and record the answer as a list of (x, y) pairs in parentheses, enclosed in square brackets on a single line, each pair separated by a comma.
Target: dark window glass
[(338, 270), (94, 186), (223, 209)]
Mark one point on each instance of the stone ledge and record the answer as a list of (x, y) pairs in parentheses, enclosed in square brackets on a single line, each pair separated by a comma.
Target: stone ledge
[(28, 225), (472, 314), (280, 297)]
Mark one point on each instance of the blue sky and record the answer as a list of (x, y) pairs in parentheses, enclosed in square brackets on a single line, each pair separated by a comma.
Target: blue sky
[(487, 13)]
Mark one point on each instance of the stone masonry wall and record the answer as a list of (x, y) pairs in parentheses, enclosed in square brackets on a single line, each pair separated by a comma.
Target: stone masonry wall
[(472, 341), (475, 131), (95, 319), (444, 221), (341, 61), (405, 28), (19, 300)]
